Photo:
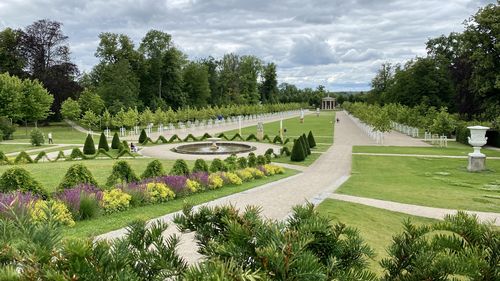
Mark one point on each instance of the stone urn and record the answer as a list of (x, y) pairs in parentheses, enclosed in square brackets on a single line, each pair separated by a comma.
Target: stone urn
[(477, 160)]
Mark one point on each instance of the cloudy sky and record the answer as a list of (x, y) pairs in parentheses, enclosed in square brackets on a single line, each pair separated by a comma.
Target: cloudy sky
[(336, 43)]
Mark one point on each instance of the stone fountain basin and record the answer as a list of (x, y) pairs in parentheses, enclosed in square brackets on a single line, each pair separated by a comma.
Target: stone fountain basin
[(207, 149)]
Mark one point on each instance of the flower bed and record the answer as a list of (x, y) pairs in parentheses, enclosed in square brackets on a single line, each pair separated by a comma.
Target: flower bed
[(87, 201)]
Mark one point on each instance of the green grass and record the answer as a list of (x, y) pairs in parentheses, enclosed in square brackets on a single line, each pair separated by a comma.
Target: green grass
[(376, 226), (50, 174), (61, 133), (10, 148), (111, 222), (453, 149), (434, 182)]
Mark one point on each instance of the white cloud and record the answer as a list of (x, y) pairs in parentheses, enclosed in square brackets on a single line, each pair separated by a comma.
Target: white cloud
[(337, 43)]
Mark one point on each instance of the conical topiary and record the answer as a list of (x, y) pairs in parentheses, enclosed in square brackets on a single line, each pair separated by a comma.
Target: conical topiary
[(306, 144), (115, 143), (311, 140), (77, 174), (89, 146), (143, 137), (200, 166), (180, 168), (103, 142), (298, 153)]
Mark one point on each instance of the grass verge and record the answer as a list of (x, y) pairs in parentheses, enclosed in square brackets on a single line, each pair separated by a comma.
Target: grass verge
[(453, 149)]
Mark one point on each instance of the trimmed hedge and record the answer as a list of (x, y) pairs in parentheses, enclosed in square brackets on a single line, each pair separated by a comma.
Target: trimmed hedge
[(200, 166), (121, 172), (77, 174), (252, 160), (23, 158), (17, 178), (298, 154), (180, 168), (143, 137), (153, 170), (217, 165), (311, 140), (103, 142), (89, 146), (4, 160), (115, 143)]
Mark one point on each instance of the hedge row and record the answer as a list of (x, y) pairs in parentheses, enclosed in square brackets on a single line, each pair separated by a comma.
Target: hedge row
[(161, 139), (76, 154)]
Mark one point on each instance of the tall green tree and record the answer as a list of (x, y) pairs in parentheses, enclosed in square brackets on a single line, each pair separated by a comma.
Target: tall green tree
[(229, 80), (196, 86), (173, 60), (249, 70), (90, 100), (70, 109), (11, 59), (35, 101), (269, 86), (10, 96)]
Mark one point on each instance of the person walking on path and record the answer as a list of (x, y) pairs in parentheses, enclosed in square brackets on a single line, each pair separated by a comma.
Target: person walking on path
[(49, 136)]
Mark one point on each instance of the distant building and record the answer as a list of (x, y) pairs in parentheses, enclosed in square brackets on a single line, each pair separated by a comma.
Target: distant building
[(328, 103)]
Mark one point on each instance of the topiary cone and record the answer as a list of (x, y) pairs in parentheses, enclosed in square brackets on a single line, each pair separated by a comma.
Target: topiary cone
[(298, 153), (103, 142), (311, 140), (89, 146), (143, 137), (115, 143)]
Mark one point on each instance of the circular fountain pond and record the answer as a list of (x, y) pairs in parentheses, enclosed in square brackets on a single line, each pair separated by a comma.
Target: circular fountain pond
[(214, 147)]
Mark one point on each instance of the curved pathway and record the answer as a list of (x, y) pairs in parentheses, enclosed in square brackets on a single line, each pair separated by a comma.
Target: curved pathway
[(314, 184)]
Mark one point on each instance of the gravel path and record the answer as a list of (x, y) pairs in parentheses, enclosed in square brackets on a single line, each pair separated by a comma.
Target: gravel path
[(416, 210)]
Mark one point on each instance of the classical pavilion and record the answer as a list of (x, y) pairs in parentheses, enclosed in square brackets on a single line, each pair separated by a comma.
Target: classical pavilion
[(328, 103)]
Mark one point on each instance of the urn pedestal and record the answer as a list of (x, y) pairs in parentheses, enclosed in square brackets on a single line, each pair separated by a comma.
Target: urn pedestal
[(477, 160)]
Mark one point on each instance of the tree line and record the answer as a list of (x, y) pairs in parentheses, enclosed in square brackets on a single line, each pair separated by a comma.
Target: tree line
[(461, 71)]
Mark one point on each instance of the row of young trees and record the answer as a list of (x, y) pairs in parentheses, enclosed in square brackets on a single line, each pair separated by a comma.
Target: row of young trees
[(427, 118), (129, 118), (461, 72)]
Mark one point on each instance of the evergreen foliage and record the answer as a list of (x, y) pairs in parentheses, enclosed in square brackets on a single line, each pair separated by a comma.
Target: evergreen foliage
[(311, 140), (143, 137), (89, 146), (298, 154), (252, 160), (18, 179), (180, 168), (217, 165), (77, 174), (115, 143), (153, 170), (200, 166), (103, 142), (37, 138), (122, 172)]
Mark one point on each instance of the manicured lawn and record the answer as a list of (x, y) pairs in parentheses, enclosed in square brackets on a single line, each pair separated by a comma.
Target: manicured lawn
[(50, 174), (453, 149), (114, 221), (376, 226), (435, 182), (9, 148), (61, 133)]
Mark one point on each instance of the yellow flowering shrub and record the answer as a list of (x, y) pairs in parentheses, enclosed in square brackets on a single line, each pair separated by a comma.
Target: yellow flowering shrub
[(159, 192), (57, 209), (215, 181), (192, 185), (245, 175), (233, 178), (115, 200), (273, 169), (256, 173)]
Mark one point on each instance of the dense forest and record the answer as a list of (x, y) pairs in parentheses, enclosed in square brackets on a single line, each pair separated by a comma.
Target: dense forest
[(461, 72)]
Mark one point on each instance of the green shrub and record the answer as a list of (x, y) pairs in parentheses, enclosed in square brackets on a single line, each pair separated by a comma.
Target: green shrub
[(252, 160), (231, 162), (103, 142), (180, 168), (268, 158), (269, 151), (77, 174), (4, 160), (17, 178), (252, 137), (205, 136), (277, 139), (267, 138), (100, 152), (75, 154), (123, 153), (123, 147), (242, 162), (200, 166), (89, 208), (23, 158), (306, 144), (285, 150), (222, 136), (89, 146), (162, 139), (298, 154), (311, 140), (217, 165), (143, 137), (190, 137), (153, 170), (261, 160), (115, 142), (174, 138), (60, 155), (37, 138), (287, 140), (6, 128), (237, 136), (121, 172)]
